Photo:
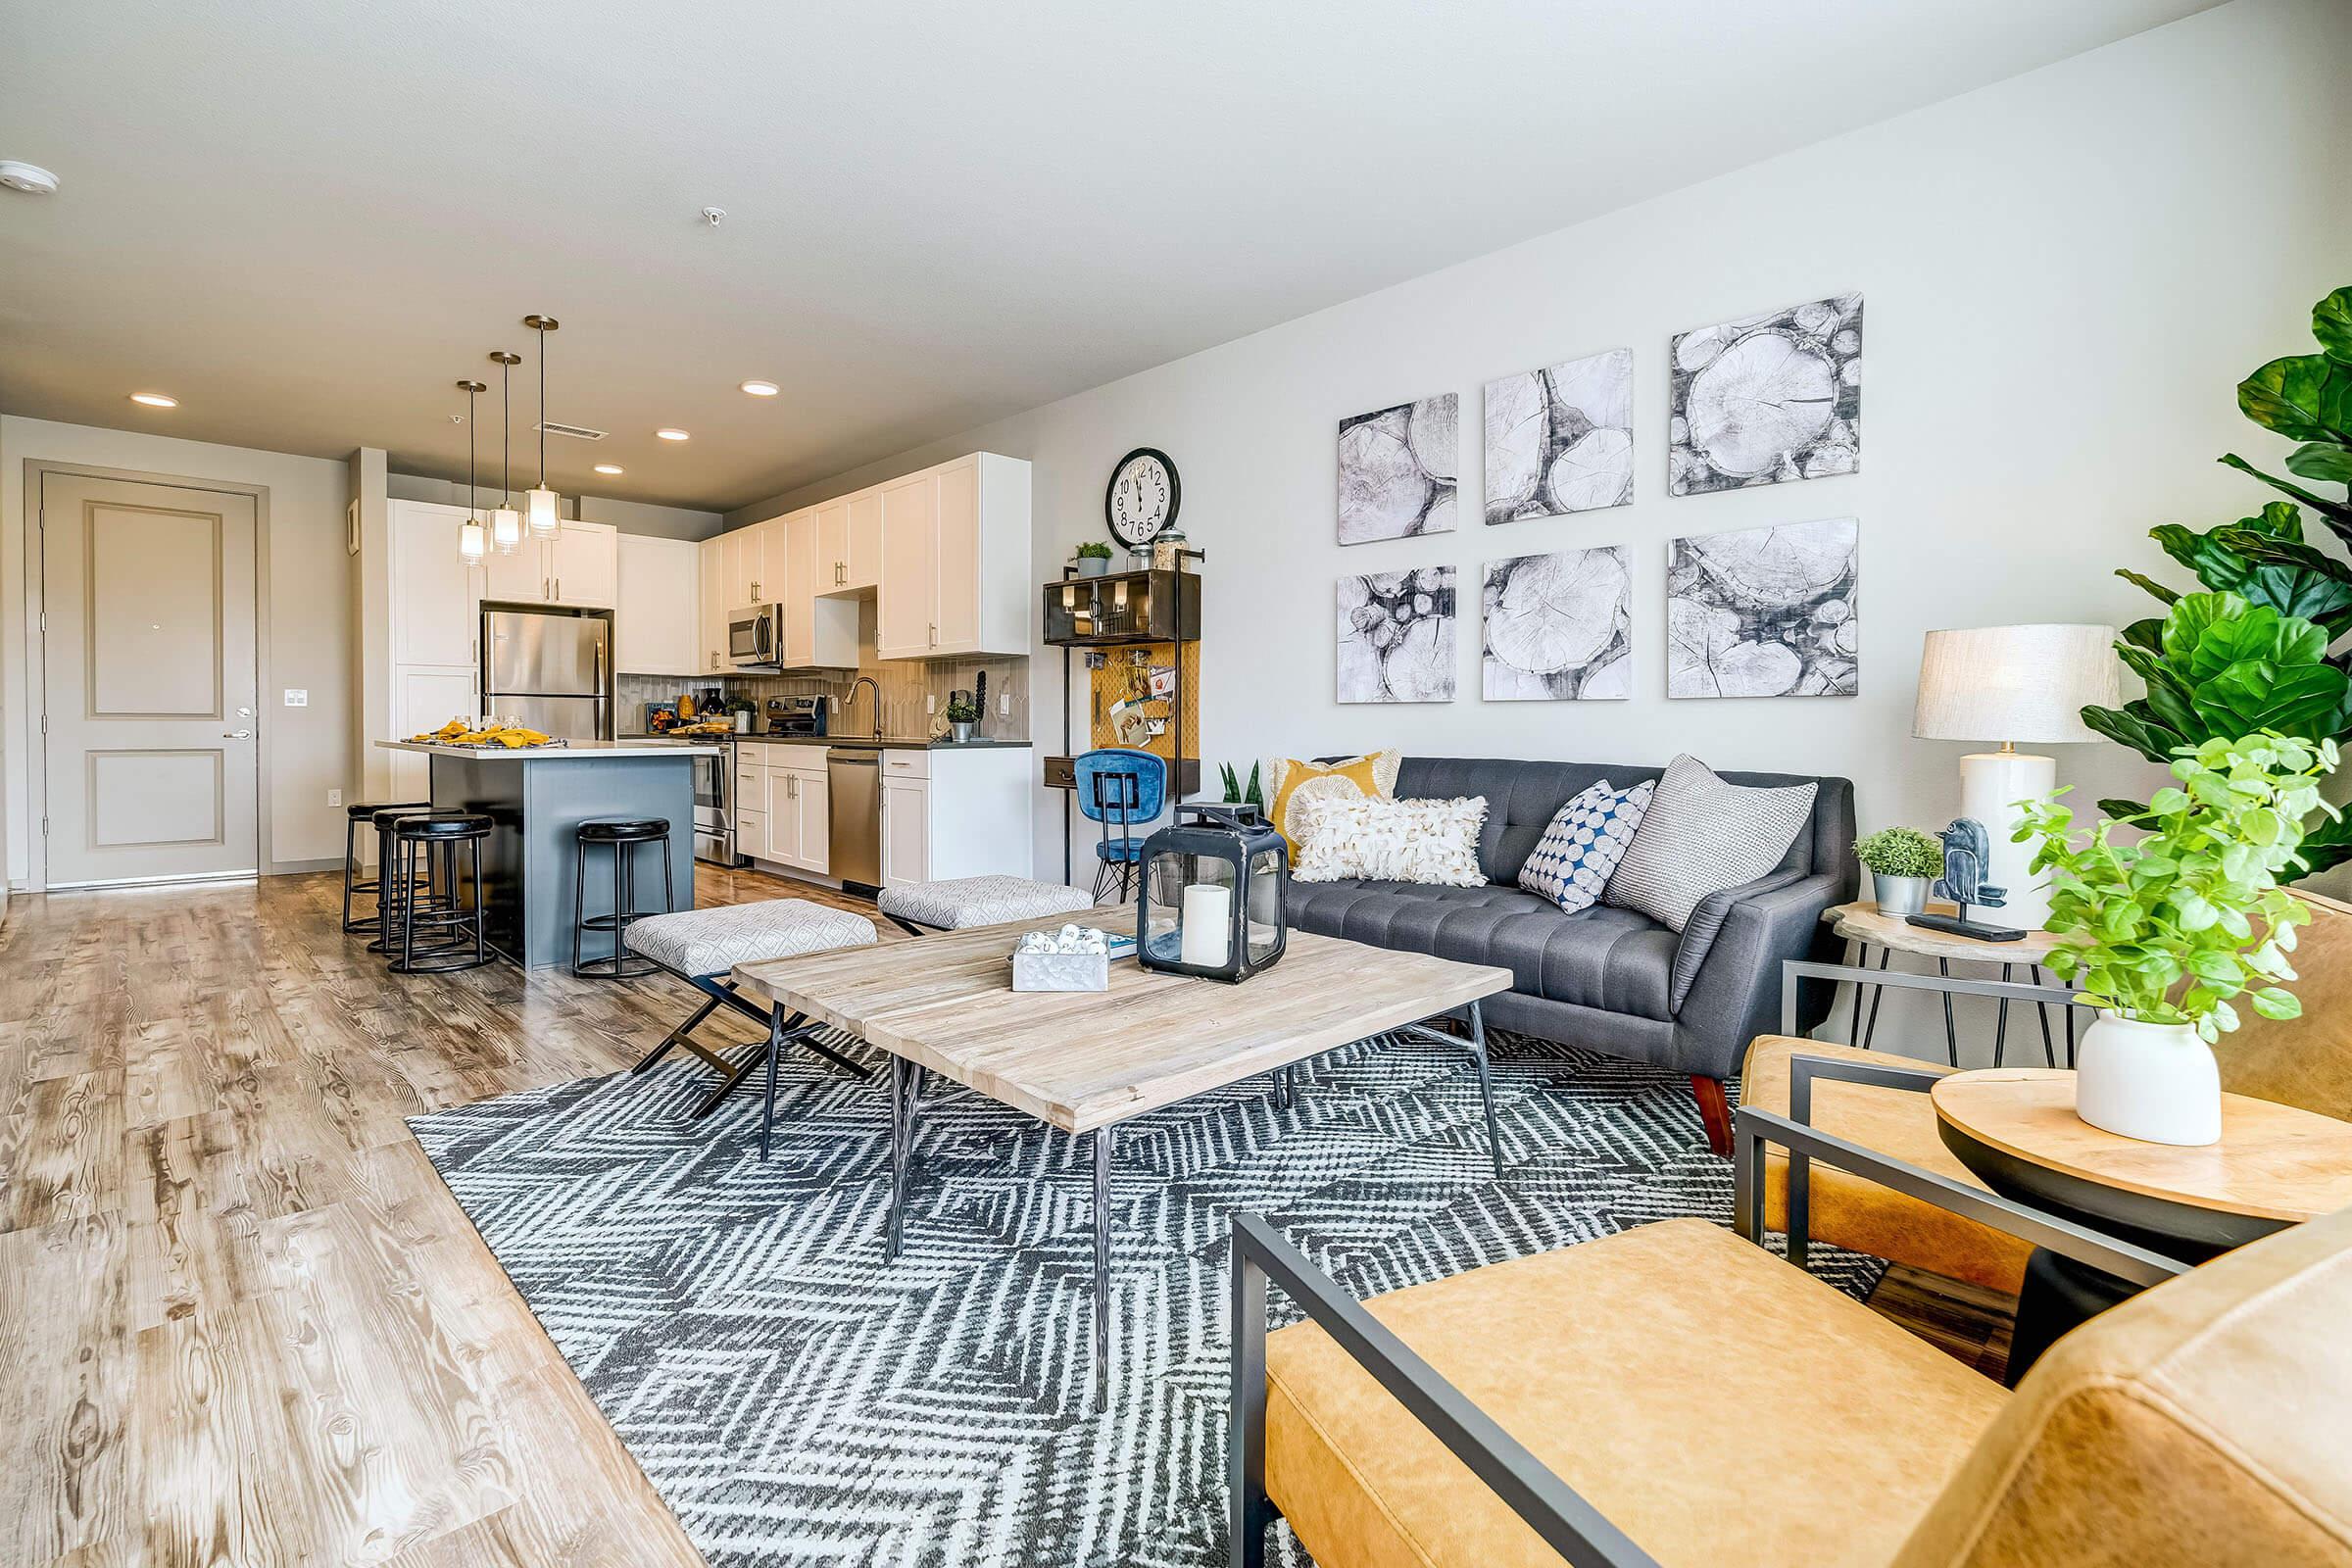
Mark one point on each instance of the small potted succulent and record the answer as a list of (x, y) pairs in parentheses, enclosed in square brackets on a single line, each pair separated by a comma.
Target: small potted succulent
[(1093, 558), (963, 715), (744, 711), (2168, 935), (1901, 862)]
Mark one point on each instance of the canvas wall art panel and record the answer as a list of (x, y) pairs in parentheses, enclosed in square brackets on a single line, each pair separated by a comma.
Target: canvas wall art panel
[(1560, 440), (1558, 626), (1397, 469), (1395, 637), (1764, 612), (1767, 399)]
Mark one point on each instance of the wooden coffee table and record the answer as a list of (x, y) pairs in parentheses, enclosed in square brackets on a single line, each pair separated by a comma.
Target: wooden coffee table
[(1085, 1061)]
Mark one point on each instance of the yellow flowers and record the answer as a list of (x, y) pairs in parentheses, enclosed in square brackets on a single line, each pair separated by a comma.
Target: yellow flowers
[(512, 737)]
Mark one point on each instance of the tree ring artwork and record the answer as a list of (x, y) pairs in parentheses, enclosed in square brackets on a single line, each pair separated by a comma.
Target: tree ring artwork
[(1395, 637), (1560, 440), (1764, 612), (1558, 626), (1398, 470), (1767, 399)]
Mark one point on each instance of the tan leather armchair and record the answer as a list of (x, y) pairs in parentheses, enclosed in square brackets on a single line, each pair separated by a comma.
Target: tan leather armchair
[(2304, 1062), (1671, 1395)]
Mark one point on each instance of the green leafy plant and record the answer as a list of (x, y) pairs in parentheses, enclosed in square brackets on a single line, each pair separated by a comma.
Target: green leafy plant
[(1094, 550), (2166, 929), (1901, 851), (963, 711), (1234, 795), (2228, 669)]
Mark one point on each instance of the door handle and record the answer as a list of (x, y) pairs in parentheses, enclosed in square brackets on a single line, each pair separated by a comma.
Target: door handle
[(236, 735)]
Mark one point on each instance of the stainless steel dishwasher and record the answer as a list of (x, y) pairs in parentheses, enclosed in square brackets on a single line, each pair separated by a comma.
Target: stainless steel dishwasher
[(853, 838)]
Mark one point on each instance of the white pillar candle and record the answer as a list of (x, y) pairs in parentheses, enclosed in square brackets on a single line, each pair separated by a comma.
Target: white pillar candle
[(1207, 925)]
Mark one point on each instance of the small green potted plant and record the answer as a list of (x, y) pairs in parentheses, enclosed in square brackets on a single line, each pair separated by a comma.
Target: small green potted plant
[(1235, 794), (1901, 862), (1093, 558), (963, 715), (744, 712), (2169, 934)]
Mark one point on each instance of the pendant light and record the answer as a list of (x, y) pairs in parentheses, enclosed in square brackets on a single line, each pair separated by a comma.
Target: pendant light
[(506, 524), (472, 537), (541, 505)]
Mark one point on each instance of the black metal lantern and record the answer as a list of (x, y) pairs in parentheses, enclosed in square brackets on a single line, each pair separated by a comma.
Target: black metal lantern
[(1211, 902)]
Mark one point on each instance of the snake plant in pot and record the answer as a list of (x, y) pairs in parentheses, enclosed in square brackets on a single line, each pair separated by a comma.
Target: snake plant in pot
[(2169, 935)]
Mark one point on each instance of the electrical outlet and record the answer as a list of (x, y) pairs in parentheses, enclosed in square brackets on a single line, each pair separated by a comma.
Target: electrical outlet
[(297, 697), (931, 703), (1003, 704), (335, 797)]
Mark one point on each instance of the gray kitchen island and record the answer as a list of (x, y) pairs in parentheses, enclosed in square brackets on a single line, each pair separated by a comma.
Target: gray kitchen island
[(536, 798)]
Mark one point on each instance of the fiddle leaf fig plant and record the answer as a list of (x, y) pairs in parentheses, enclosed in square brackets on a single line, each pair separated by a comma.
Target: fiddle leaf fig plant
[(2165, 930), (2258, 654)]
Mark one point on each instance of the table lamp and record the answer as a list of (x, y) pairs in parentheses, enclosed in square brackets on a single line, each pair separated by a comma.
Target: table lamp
[(2006, 684)]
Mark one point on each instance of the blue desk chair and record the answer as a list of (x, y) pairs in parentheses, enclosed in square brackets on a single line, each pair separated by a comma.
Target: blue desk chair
[(1125, 789)]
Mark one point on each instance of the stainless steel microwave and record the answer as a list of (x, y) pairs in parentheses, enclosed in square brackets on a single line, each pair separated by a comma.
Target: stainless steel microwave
[(756, 637)]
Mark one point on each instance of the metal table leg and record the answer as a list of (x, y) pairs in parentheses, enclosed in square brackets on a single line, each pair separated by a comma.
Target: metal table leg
[(1104, 1138), (2049, 1049), (1877, 994), (1951, 1032), (2000, 1027), (1853, 1024), (902, 1089), (1486, 1085)]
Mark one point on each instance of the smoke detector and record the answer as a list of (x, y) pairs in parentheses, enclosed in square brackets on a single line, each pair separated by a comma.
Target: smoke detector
[(31, 178)]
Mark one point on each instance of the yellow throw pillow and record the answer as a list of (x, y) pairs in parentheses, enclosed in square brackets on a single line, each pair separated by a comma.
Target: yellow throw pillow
[(1295, 789)]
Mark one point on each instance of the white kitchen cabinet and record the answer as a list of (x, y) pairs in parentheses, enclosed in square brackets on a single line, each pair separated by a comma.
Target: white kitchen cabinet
[(578, 567), (426, 699), (657, 614), (435, 597), (714, 607), (783, 815), (819, 632), (954, 560), (748, 574), (949, 813), (583, 560), (861, 546)]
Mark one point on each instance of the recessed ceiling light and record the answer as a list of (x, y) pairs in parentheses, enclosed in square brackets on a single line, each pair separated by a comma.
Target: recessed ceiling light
[(762, 389), (608, 468), (155, 400), (666, 433)]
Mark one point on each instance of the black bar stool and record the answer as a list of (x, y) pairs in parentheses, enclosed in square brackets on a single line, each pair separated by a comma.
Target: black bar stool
[(622, 836), (393, 895), (445, 921), (352, 881)]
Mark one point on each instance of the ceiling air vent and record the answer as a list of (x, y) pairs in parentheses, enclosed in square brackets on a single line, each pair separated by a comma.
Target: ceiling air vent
[(579, 432)]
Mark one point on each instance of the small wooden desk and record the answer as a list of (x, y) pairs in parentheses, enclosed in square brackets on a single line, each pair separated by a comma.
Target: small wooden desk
[(2016, 1128), (1861, 924), (1086, 1060)]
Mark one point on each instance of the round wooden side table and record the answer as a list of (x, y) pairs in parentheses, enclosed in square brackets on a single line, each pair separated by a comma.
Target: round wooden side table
[(2016, 1128), (1862, 924)]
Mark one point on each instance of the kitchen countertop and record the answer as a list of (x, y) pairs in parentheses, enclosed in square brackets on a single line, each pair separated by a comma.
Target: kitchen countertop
[(571, 751), (888, 742)]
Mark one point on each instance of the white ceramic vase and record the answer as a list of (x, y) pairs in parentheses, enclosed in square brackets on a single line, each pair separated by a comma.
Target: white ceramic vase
[(2155, 1081)]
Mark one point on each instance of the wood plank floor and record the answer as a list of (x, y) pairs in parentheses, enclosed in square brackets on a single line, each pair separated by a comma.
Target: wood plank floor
[(245, 1322)]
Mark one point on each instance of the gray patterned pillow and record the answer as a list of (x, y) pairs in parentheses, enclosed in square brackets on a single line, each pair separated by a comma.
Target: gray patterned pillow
[(1702, 835)]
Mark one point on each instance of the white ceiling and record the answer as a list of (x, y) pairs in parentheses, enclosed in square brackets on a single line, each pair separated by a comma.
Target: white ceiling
[(307, 221)]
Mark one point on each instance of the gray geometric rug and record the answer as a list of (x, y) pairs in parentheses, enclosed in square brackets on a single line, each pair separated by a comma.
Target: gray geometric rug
[(797, 1400)]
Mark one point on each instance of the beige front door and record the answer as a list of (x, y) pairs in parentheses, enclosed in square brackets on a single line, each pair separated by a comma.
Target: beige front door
[(147, 596)]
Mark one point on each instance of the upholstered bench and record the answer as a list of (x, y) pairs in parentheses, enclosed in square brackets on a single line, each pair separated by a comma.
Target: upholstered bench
[(964, 902), (703, 947)]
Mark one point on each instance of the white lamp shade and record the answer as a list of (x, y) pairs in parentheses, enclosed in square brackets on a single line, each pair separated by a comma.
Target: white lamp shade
[(471, 542), (542, 512), (506, 530), (2014, 683)]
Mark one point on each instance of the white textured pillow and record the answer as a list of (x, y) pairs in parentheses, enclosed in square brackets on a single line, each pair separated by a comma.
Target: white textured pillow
[(1396, 841), (1702, 834)]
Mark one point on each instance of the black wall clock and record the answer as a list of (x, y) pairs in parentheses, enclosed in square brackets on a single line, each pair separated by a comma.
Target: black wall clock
[(1142, 498)]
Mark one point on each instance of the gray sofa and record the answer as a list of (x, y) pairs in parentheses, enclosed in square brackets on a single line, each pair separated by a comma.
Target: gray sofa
[(1607, 977)]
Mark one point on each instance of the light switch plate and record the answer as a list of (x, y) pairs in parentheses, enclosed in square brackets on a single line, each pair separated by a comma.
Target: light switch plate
[(334, 798), (297, 697)]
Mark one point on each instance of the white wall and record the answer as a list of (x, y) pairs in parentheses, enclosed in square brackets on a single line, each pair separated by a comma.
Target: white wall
[(2066, 273), (309, 639)]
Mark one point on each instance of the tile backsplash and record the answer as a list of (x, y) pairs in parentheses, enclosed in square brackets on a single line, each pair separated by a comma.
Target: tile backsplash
[(906, 686)]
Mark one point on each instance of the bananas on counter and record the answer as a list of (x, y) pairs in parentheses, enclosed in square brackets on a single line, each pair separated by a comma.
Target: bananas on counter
[(514, 737)]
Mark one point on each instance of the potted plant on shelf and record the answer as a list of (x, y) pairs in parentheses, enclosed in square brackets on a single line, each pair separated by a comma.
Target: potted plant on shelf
[(2169, 934), (1093, 558), (963, 715), (1901, 862)]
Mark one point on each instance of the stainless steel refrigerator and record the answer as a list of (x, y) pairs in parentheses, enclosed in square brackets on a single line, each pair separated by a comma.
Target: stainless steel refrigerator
[(550, 673)]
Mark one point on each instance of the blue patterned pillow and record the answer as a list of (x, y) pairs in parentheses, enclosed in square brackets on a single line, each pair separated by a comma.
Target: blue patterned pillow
[(1572, 862)]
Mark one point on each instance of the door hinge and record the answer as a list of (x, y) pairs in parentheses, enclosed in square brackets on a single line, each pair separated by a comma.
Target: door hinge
[(44, 723), (44, 827), (45, 620)]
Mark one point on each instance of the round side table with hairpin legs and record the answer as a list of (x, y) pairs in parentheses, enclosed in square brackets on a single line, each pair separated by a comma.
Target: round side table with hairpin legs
[(1863, 925)]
